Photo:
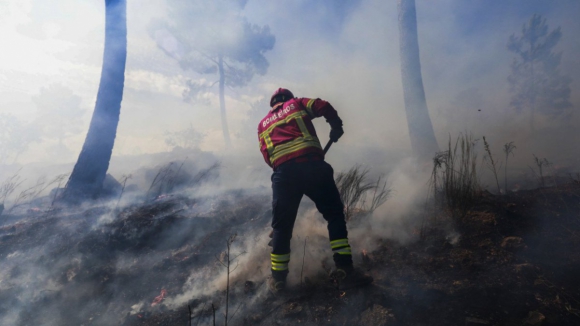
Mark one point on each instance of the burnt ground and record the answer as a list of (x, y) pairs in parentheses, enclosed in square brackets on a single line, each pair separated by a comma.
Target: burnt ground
[(512, 260)]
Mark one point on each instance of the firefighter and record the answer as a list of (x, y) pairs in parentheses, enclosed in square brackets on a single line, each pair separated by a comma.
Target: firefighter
[(290, 146)]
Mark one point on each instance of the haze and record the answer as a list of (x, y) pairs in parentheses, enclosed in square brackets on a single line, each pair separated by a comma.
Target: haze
[(343, 51)]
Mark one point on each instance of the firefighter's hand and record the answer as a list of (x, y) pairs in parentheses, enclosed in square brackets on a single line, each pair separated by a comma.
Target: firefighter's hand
[(335, 129), (336, 133)]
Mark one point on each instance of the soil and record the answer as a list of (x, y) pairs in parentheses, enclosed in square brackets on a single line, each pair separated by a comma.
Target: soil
[(511, 260)]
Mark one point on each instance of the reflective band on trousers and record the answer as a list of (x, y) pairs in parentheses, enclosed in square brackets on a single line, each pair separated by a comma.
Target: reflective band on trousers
[(341, 247), (338, 243), (280, 262)]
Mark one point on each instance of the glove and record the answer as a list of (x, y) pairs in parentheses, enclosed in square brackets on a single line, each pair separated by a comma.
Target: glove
[(336, 133), (335, 129)]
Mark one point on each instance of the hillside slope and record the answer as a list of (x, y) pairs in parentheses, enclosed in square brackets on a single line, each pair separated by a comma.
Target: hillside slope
[(513, 260)]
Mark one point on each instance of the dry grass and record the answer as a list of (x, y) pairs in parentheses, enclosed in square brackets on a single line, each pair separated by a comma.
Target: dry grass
[(454, 182), (491, 163), (30, 194), (508, 148), (171, 178), (541, 163), (9, 186), (359, 195)]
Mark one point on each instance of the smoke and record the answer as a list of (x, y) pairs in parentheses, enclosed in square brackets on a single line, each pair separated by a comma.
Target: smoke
[(344, 59), (311, 256), (402, 214), (108, 261), (345, 53)]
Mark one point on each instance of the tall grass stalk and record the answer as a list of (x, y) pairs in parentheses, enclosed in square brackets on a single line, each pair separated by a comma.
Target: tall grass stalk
[(158, 182), (124, 179), (541, 163), (303, 256), (508, 148), (226, 261), (491, 163), (454, 181)]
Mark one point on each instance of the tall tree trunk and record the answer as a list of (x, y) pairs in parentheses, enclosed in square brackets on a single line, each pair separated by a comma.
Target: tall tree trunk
[(87, 177), (223, 103), (423, 142), (533, 98)]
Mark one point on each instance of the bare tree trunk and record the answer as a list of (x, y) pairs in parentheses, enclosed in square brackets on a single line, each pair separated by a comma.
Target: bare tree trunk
[(87, 177), (533, 99), (423, 142), (223, 103)]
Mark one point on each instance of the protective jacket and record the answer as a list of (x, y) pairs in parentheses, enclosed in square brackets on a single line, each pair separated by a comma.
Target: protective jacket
[(287, 131)]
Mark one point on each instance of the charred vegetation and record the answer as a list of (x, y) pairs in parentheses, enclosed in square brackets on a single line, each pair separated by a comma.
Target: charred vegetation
[(171, 258)]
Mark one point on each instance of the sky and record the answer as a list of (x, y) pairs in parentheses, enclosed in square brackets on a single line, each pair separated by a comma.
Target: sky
[(345, 52)]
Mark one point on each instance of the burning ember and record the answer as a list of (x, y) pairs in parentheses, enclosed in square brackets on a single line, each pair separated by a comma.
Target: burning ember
[(159, 298)]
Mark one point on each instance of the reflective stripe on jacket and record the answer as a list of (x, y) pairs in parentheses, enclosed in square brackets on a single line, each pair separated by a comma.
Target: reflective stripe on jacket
[(287, 131)]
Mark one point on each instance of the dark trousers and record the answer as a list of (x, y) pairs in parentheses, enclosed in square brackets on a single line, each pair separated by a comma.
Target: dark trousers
[(292, 180)]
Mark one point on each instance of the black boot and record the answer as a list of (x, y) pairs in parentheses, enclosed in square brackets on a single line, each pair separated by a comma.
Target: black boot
[(277, 283), (276, 287), (349, 277)]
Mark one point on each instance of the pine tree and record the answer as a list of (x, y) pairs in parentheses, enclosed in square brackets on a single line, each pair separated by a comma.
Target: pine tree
[(213, 38), (535, 81)]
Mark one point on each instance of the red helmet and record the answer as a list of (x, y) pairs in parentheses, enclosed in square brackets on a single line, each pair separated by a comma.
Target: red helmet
[(281, 95)]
